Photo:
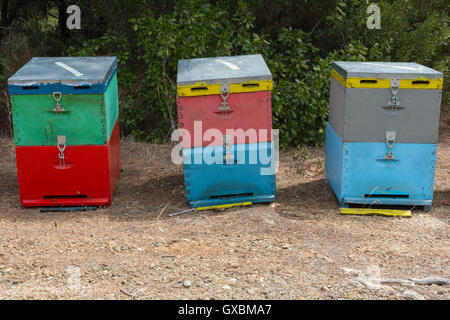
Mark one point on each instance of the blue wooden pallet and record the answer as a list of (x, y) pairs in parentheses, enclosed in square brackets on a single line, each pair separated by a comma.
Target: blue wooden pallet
[(359, 174), (237, 181)]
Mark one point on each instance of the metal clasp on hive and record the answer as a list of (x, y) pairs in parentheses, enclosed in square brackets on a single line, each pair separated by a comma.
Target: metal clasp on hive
[(224, 93), (61, 144), (228, 157), (390, 142), (57, 96), (395, 101)]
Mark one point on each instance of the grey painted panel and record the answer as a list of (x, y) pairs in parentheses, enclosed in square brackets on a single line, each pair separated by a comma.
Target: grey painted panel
[(236, 69), (368, 116), (65, 70), (336, 114), (384, 70)]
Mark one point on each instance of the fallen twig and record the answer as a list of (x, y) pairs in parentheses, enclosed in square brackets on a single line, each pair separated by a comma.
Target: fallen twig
[(404, 282), (160, 213), (431, 280), (126, 293)]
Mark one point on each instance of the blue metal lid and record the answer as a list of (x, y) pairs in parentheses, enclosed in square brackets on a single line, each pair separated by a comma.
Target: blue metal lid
[(78, 75)]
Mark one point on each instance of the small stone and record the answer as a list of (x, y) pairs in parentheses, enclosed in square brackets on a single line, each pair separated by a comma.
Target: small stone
[(349, 270), (226, 287), (187, 284), (159, 244), (252, 290), (412, 295), (6, 271)]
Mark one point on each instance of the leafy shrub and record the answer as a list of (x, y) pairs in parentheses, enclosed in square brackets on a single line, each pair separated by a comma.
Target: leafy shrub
[(149, 50)]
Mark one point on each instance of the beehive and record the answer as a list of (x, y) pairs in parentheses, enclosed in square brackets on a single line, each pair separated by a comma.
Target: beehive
[(65, 118), (236, 179), (382, 133), (214, 96), (225, 93)]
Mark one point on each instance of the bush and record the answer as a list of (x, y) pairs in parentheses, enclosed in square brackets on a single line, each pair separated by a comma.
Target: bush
[(149, 50), (149, 65)]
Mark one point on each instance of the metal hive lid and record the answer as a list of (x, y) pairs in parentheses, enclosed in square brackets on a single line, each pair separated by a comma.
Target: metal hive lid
[(383, 70), (65, 69), (234, 69)]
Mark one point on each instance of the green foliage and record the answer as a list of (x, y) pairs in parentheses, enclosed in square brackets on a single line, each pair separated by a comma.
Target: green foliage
[(411, 31), (198, 29), (148, 73), (298, 39)]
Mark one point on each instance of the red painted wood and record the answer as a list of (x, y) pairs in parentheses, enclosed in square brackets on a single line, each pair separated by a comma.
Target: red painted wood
[(88, 177), (250, 110)]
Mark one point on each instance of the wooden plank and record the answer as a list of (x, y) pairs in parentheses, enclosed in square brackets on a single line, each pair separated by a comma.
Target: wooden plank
[(372, 211)]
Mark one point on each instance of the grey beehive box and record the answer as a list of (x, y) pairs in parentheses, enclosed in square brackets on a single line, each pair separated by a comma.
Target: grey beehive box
[(368, 99)]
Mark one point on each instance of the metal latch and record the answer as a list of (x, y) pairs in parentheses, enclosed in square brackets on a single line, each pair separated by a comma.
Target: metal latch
[(61, 147), (57, 97), (228, 157), (390, 142), (395, 101), (224, 93)]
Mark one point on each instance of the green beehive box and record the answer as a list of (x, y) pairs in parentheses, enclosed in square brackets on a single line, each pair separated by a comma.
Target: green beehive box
[(76, 97)]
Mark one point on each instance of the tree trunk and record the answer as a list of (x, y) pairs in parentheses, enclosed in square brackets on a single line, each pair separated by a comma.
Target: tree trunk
[(62, 18), (4, 16)]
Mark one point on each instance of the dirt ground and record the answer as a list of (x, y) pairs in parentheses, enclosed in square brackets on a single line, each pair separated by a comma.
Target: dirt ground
[(300, 247)]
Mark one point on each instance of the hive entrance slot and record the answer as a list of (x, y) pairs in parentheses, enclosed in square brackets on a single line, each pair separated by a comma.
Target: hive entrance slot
[(199, 89), (82, 87), (249, 194), (78, 196), (389, 196), (421, 82), (250, 85), (368, 81), (30, 87)]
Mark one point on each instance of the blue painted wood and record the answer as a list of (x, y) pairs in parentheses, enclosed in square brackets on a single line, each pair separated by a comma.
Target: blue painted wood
[(208, 183), (45, 76), (358, 172), (334, 157)]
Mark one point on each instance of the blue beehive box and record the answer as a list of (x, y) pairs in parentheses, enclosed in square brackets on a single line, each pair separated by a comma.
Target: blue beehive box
[(359, 173), (245, 174), (381, 138)]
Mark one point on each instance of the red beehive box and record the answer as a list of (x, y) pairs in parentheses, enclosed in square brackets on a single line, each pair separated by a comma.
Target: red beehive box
[(87, 175), (223, 94)]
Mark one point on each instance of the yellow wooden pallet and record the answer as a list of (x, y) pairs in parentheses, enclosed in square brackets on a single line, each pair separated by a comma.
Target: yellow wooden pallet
[(218, 207), (224, 206), (371, 211)]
